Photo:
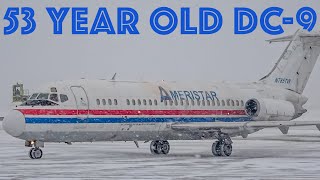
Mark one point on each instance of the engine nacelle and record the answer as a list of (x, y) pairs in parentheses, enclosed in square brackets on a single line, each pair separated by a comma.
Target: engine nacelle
[(270, 110)]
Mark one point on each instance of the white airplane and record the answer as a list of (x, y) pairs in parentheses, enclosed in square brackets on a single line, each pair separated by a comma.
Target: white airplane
[(100, 110)]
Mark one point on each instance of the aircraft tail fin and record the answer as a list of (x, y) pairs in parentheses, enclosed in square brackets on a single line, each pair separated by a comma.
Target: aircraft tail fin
[(294, 67)]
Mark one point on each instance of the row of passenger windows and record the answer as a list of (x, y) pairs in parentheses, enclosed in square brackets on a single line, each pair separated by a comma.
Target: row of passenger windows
[(217, 102), (144, 102), (110, 102), (229, 102)]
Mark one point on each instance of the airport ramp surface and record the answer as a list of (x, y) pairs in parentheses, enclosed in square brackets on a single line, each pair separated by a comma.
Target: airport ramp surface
[(265, 155)]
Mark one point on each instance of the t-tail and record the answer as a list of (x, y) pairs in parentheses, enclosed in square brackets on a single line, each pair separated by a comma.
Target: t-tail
[(294, 67)]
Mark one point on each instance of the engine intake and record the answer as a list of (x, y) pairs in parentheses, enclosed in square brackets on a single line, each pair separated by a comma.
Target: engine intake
[(270, 110)]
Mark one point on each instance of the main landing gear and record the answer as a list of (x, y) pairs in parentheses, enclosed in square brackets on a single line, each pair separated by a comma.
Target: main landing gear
[(222, 147), (159, 147), (35, 152)]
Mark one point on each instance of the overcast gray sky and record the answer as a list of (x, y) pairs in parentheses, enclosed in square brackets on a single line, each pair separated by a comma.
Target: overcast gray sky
[(43, 57)]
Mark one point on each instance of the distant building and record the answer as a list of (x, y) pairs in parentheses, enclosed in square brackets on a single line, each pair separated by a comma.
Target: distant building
[(19, 95)]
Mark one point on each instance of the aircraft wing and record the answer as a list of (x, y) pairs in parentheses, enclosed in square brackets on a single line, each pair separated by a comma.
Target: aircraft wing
[(282, 125)]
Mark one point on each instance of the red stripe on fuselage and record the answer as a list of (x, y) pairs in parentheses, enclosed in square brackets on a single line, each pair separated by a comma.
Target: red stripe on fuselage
[(129, 112)]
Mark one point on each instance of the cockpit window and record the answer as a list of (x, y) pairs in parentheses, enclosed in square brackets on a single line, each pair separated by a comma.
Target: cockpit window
[(39, 103), (34, 96), (54, 97), (45, 99), (63, 98), (43, 96)]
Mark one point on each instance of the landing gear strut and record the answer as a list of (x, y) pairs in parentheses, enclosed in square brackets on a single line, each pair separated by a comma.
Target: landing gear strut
[(222, 147), (159, 147), (35, 152)]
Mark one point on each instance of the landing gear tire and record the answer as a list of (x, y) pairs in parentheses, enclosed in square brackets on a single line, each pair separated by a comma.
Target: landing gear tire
[(165, 147), (226, 149), (160, 147), (154, 148), (35, 153), (216, 148)]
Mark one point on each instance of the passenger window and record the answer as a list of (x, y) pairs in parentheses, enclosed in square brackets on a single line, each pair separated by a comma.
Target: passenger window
[(187, 102), (198, 102), (213, 103), (63, 98), (109, 102), (128, 102), (176, 102), (34, 96), (218, 102), (165, 102), (139, 102), (181, 102), (150, 102), (98, 102), (237, 103), (115, 102), (203, 103), (43, 96), (104, 102), (223, 103), (144, 102), (242, 103), (192, 102), (170, 102), (232, 102), (155, 102), (208, 103), (228, 102), (133, 102)]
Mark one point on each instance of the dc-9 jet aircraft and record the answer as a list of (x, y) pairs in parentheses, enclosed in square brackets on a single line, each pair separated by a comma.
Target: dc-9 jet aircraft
[(100, 110)]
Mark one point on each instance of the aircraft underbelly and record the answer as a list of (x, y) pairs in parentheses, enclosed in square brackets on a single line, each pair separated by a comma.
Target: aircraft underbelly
[(110, 132)]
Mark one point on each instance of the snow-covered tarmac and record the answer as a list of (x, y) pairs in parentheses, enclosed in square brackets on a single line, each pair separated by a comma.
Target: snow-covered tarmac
[(265, 155)]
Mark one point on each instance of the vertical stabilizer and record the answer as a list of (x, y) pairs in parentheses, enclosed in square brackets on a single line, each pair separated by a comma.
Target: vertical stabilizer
[(293, 69)]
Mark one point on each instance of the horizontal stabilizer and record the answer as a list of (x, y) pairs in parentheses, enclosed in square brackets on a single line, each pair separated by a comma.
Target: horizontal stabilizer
[(281, 39), (292, 37), (284, 125)]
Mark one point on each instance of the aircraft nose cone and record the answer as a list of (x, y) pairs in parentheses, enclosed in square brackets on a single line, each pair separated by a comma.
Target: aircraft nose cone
[(14, 123)]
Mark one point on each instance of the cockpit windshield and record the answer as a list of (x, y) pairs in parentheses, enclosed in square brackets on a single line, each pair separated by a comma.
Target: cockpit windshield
[(45, 99), (34, 96), (54, 97), (43, 96), (39, 103)]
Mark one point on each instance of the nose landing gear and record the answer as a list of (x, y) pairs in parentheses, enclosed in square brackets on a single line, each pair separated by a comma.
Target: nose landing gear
[(160, 147), (35, 152)]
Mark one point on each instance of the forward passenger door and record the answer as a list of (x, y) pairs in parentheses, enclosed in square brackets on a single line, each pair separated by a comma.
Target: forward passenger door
[(82, 102)]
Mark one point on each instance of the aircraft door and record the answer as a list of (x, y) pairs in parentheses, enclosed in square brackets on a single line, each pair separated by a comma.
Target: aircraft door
[(82, 101)]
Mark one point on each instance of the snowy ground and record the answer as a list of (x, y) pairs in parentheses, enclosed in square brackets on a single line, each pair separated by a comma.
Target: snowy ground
[(265, 155)]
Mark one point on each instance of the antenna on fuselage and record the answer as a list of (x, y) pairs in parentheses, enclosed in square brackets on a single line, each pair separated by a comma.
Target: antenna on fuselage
[(114, 77)]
